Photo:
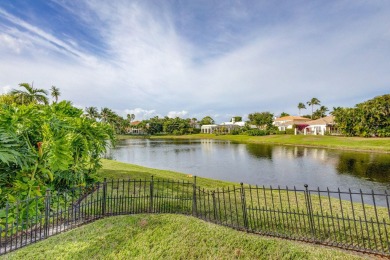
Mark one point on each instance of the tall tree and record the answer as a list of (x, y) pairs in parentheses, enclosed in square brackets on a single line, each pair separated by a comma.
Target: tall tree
[(263, 120), (284, 114), (30, 94), (207, 120), (55, 93), (92, 112), (300, 107), (130, 117), (314, 101)]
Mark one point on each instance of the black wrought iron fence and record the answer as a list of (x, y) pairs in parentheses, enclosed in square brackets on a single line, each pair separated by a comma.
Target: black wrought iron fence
[(350, 220)]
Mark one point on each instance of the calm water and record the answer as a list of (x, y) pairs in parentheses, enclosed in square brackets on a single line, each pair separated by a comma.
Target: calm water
[(261, 164)]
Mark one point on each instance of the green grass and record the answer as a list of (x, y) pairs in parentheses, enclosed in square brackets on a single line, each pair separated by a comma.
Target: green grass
[(168, 237), (117, 170), (333, 142), (341, 230)]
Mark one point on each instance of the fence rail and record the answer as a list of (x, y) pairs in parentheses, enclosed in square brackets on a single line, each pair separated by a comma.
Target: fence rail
[(350, 220)]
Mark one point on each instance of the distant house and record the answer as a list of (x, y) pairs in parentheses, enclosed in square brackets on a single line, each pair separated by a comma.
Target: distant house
[(320, 126), (287, 122), (134, 128), (208, 129), (223, 128)]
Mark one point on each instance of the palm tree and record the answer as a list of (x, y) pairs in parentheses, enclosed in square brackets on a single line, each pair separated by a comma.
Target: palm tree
[(30, 94), (130, 117), (106, 114), (55, 93), (92, 112), (312, 102), (301, 106)]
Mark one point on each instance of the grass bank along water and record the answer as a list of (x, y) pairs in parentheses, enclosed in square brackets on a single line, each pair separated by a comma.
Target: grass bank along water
[(332, 217), (295, 214), (381, 145)]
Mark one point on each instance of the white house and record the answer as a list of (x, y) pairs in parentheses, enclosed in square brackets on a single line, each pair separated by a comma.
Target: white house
[(208, 129), (320, 126), (225, 127)]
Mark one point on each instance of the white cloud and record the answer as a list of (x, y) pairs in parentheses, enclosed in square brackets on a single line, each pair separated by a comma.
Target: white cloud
[(141, 114), (149, 64), (174, 114)]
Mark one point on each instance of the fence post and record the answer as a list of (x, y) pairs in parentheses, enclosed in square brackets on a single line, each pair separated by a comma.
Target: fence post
[(214, 206), (309, 211), (194, 204), (47, 214), (243, 202), (104, 197), (151, 196)]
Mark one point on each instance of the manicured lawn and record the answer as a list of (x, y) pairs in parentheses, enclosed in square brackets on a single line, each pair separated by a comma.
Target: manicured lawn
[(334, 142), (168, 237)]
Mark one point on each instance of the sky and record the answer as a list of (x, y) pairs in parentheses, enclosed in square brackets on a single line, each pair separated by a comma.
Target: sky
[(198, 58)]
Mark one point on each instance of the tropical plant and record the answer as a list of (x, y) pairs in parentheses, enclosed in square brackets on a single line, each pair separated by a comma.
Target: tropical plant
[(130, 117), (314, 101), (55, 93), (30, 94), (321, 112), (370, 118), (92, 112), (300, 107), (48, 147)]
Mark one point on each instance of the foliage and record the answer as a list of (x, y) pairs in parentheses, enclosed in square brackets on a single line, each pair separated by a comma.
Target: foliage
[(176, 126), (29, 94), (236, 119), (319, 113), (263, 120), (370, 118), (47, 146), (257, 132), (301, 106), (314, 101), (207, 120), (284, 114), (55, 93)]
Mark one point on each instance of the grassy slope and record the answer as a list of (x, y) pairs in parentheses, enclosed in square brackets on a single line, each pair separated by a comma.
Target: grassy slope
[(168, 237), (117, 170), (334, 142), (158, 236)]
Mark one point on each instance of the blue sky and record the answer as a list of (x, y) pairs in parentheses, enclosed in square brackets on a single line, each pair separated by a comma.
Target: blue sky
[(198, 58)]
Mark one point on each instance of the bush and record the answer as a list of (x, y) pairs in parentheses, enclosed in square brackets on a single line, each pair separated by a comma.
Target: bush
[(290, 131), (257, 132)]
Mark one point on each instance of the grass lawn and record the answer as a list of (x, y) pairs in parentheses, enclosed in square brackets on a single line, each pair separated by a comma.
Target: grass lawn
[(334, 142), (167, 236)]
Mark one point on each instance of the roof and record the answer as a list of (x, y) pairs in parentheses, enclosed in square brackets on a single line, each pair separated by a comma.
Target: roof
[(292, 118), (135, 123), (328, 120)]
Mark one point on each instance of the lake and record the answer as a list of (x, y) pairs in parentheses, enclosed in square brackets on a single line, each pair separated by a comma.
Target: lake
[(261, 164)]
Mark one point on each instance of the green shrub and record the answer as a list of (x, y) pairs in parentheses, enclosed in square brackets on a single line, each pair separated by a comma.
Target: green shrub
[(257, 132)]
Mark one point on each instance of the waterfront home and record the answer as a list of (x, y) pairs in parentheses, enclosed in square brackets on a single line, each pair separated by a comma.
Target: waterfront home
[(287, 122), (320, 126), (134, 128)]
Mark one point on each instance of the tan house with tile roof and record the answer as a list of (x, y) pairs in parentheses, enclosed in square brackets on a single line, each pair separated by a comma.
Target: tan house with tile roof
[(287, 122), (321, 126)]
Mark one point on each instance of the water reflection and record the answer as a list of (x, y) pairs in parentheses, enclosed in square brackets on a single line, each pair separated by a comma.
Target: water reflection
[(368, 166)]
